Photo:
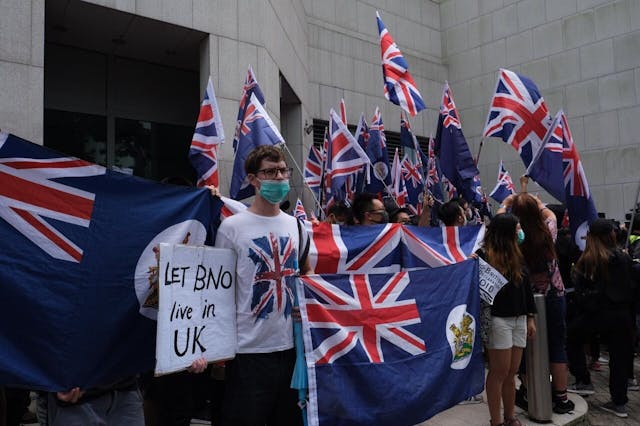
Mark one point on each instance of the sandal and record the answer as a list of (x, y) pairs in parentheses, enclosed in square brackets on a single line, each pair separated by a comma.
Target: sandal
[(512, 422)]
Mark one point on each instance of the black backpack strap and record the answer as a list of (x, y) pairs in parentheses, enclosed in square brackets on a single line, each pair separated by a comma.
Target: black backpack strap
[(302, 253)]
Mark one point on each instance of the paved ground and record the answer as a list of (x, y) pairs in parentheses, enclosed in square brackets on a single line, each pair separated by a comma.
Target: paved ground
[(596, 416)]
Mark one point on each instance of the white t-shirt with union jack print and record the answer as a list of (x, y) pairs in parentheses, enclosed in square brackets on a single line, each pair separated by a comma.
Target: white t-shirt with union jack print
[(267, 251)]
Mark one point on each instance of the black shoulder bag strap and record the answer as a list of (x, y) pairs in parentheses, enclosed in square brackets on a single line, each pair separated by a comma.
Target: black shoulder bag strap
[(302, 253)]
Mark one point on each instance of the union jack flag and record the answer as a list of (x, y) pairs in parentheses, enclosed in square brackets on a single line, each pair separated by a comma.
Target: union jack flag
[(337, 310), (28, 195), (208, 134), (504, 185), (250, 87), (518, 114), (343, 111), (435, 247), (299, 211), (344, 156), (313, 170), (335, 249), (275, 259), (399, 86), (388, 248)]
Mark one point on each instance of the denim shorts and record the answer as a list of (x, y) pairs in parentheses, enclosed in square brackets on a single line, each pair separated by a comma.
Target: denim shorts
[(556, 327)]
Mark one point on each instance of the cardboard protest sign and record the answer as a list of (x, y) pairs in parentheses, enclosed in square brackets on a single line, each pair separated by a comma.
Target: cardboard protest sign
[(197, 311), (491, 281)]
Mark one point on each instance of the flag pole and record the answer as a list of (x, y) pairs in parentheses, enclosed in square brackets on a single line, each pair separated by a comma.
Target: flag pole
[(633, 216), (315, 200), (479, 151)]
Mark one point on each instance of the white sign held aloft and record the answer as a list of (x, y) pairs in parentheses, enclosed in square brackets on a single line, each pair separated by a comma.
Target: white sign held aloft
[(197, 311), (491, 281)]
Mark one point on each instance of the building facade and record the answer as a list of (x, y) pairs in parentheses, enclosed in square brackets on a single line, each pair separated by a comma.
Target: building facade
[(119, 82)]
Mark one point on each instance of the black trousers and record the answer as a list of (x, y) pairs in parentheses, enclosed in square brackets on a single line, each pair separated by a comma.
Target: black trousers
[(258, 391), (614, 327)]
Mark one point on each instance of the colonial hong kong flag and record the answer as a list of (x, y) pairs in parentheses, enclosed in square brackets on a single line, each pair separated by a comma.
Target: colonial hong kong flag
[(399, 86), (504, 185), (546, 167), (362, 136), (366, 336), (411, 167), (344, 156), (397, 181), (79, 266), (377, 151), (580, 205), (433, 175), (518, 114), (208, 134), (249, 88), (577, 196), (456, 161), (256, 129)]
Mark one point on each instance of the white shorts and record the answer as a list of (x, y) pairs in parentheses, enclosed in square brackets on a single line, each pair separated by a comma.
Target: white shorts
[(508, 332)]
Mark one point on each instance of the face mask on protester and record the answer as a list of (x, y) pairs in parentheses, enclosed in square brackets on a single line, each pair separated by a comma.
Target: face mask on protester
[(384, 217), (274, 191), (520, 235)]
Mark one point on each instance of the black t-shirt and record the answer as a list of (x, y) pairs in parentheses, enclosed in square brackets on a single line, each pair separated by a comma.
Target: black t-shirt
[(513, 299)]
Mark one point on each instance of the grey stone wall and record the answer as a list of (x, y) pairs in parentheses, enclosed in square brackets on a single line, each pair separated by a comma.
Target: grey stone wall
[(584, 55), (21, 67)]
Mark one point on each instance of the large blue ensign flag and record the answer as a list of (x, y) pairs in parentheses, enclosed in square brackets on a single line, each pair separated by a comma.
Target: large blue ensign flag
[(391, 349), (78, 265)]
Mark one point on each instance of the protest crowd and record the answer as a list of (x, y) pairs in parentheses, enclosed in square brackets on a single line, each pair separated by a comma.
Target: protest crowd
[(590, 281)]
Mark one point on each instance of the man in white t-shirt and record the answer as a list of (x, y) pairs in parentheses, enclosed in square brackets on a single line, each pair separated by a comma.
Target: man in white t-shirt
[(266, 241)]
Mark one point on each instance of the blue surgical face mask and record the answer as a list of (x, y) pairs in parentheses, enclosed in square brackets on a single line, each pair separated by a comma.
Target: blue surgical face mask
[(274, 191), (520, 235)]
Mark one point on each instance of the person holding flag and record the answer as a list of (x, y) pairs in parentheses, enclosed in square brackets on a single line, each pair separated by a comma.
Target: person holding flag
[(541, 230)]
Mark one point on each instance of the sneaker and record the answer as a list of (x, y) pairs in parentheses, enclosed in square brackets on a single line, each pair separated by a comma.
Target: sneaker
[(563, 406), (618, 410), (632, 385), (582, 388), (521, 398), (475, 399), (595, 366)]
